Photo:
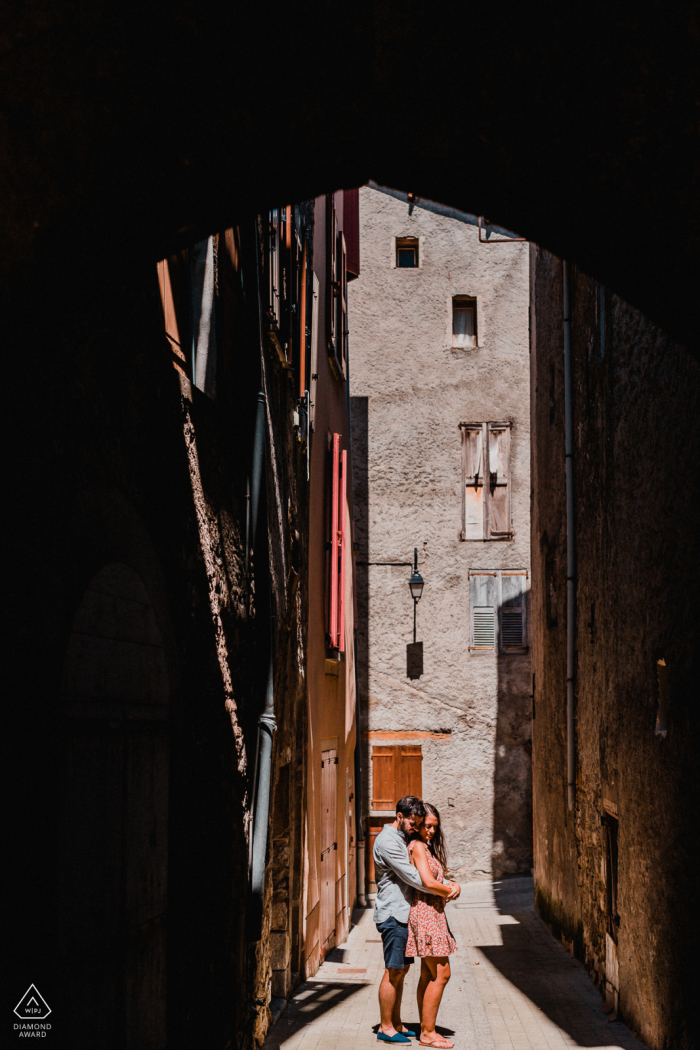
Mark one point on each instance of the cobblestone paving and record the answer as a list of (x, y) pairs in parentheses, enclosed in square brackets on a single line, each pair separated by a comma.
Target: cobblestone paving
[(513, 986)]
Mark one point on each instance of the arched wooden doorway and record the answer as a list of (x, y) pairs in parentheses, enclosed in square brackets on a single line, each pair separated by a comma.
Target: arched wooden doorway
[(113, 785)]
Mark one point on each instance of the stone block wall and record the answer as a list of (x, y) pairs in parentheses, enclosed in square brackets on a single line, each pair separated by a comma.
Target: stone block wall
[(636, 401)]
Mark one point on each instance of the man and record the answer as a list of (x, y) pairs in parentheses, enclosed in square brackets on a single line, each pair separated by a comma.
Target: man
[(396, 879)]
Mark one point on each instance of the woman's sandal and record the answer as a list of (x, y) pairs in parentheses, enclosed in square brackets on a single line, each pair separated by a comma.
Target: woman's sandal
[(444, 1044)]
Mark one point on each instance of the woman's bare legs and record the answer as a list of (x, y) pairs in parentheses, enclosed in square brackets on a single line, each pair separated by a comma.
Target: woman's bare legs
[(434, 975), (423, 982)]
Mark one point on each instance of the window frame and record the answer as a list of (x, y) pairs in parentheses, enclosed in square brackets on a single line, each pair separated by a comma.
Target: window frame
[(464, 302), (404, 244), (476, 480), (499, 604)]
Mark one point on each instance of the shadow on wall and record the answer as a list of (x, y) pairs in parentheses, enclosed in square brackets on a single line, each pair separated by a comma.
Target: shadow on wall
[(359, 421), (512, 850)]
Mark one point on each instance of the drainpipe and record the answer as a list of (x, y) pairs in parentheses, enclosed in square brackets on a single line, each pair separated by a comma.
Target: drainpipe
[(570, 547), (266, 721), (359, 830)]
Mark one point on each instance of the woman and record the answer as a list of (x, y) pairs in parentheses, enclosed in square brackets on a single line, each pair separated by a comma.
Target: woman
[(429, 936)]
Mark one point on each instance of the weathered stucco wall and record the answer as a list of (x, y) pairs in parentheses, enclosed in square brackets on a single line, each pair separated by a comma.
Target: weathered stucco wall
[(410, 390), (636, 445)]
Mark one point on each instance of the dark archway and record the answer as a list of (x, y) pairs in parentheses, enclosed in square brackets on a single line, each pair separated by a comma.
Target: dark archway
[(127, 128)]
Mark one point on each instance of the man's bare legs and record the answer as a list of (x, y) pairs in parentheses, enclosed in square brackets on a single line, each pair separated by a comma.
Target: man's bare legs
[(434, 975), (390, 994)]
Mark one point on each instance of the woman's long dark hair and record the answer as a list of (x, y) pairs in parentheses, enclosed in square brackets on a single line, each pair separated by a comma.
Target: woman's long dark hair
[(437, 845)]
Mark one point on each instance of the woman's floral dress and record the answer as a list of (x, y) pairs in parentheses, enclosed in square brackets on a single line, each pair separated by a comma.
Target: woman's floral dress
[(428, 932)]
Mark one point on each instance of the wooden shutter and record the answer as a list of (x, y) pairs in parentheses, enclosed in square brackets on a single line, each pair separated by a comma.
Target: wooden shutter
[(172, 332), (384, 795), (341, 306), (482, 612), (342, 542), (410, 777), (333, 583), (473, 445), (499, 482), (513, 611), (396, 771), (331, 276)]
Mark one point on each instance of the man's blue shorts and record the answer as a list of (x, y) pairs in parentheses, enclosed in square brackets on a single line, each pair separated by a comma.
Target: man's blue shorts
[(394, 938)]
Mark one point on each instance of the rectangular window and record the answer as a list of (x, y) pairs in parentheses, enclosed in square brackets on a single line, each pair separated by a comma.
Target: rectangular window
[(396, 771), (497, 611), (486, 481), (463, 321), (407, 252)]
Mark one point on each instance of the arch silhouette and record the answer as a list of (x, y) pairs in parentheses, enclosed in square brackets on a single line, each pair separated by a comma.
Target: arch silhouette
[(134, 128)]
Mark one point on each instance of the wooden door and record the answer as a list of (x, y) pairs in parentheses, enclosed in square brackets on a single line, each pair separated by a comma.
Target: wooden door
[(329, 846)]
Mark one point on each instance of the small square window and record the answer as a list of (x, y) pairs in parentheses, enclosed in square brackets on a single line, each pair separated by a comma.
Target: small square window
[(407, 252), (463, 321)]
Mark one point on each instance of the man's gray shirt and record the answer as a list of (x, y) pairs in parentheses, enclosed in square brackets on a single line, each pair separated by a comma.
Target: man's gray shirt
[(395, 876)]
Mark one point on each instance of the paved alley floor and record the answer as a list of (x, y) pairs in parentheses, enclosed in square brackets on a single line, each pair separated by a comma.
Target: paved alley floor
[(513, 986)]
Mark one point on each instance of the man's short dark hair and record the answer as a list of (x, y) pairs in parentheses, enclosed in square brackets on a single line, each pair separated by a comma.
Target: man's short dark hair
[(410, 805)]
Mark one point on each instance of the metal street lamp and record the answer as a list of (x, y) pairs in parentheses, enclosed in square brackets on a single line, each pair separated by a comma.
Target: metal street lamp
[(416, 582), (416, 585)]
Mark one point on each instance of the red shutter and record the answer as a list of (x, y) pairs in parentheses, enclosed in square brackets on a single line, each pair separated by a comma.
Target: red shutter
[(342, 538), (351, 229), (333, 605)]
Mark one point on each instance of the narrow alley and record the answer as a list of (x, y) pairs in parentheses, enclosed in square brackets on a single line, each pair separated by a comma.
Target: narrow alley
[(513, 986)]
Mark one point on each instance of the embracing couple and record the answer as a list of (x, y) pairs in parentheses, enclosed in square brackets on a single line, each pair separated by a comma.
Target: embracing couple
[(410, 862)]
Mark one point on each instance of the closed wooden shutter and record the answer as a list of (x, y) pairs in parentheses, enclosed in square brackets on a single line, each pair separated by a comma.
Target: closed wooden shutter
[(342, 539), (384, 779), (335, 545), (482, 612), (410, 778), (396, 771)]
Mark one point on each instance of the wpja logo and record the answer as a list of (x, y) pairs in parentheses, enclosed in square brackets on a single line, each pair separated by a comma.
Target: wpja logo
[(32, 1009)]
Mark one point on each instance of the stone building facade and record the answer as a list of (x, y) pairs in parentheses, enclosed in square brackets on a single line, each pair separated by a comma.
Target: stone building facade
[(439, 378), (615, 871)]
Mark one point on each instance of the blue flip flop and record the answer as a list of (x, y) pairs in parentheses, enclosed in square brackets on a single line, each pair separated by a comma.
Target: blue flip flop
[(397, 1038)]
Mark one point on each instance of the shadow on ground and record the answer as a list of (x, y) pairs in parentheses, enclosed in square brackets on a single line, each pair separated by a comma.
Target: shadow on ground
[(543, 970)]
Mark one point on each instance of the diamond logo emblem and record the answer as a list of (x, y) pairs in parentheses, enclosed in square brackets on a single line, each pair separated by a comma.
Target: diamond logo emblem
[(32, 1006)]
